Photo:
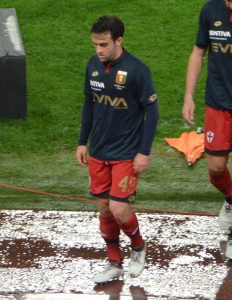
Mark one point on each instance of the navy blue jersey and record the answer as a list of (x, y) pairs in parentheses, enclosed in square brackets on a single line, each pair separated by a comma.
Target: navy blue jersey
[(215, 33), (118, 95)]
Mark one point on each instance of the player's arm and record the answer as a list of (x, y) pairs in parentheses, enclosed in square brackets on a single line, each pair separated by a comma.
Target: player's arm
[(141, 160), (86, 127), (147, 97), (86, 123), (193, 73), (195, 64), (82, 155)]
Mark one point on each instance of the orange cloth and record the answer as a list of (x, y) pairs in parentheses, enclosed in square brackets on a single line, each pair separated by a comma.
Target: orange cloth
[(190, 143)]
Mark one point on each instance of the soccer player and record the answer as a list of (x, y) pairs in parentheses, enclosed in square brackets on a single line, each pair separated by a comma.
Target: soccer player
[(215, 35), (120, 115)]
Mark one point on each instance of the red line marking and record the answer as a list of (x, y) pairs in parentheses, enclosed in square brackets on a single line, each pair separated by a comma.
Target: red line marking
[(138, 207)]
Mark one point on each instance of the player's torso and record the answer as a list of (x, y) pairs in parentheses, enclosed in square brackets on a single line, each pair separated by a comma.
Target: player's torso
[(219, 80), (220, 32), (117, 114), (112, 85)]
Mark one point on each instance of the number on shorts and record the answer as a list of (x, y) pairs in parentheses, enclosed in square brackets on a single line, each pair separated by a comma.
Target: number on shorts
[(127, 184)]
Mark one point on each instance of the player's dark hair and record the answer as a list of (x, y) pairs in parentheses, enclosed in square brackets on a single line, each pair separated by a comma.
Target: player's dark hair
[(110, 24)]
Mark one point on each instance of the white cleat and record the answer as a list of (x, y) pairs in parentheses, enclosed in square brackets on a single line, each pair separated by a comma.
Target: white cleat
[(228, 252), (137, 262), (112, 271), (225, 216)]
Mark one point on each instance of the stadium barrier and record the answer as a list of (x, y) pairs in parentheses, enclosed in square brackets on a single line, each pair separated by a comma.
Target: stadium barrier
[(13, 102)]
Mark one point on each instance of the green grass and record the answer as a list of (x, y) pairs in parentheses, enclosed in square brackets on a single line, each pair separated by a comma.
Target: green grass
[(39, 152), (169, 185)]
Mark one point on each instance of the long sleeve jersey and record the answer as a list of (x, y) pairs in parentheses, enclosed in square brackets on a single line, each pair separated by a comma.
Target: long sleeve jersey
[(120, 111)]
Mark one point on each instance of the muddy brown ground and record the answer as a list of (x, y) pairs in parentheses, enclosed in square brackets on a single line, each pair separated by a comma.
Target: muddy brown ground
[(53, 255)]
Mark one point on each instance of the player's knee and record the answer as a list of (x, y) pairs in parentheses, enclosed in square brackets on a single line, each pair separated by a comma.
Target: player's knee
[(120, 211), (217, 170), (103, 207), (217, 165)]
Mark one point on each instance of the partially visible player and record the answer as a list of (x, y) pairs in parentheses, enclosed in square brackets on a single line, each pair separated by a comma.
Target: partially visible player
[(120, 116), (215, 35)]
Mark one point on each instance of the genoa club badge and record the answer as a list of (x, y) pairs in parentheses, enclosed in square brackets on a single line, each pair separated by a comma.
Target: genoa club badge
[(121, 77)]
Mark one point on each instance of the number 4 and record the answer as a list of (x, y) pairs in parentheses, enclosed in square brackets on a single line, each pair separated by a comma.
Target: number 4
[(127, 184)]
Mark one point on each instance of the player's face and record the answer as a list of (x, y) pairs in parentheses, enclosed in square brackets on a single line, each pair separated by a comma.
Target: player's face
[(106, 48), (229, 3)]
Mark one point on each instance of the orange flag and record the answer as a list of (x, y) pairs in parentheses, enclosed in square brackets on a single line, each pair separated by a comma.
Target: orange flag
[(190, 143)]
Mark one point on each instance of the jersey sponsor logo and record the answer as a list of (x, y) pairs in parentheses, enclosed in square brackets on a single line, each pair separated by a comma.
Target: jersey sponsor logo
[(97, 84), (95, 73), (218, 47), (121, 77), (152, 98), (117, 102), (217, 23), (219, 35), (210, 136)]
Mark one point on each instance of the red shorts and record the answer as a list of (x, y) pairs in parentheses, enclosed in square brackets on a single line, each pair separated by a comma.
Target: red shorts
[(218, 131), (112, 179)]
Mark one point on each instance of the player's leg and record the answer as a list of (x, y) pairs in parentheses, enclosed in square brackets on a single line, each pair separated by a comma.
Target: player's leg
[(110, 232), (220, 177), (218, 144), (100, 183), (130, 226), (124, 183)]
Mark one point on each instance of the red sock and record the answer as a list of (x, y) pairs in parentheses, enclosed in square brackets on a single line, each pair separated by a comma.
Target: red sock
[(110, 231), (223, 183), (131, 229)]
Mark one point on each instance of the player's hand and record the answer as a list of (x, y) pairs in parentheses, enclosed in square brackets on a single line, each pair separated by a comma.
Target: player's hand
[(188, 110), (82, 155), (141, 163)]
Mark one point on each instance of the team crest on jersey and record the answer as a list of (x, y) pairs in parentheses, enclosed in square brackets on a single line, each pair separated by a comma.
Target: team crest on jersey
[(210, 136), (121, 77), (95, 73), (217, 23)]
